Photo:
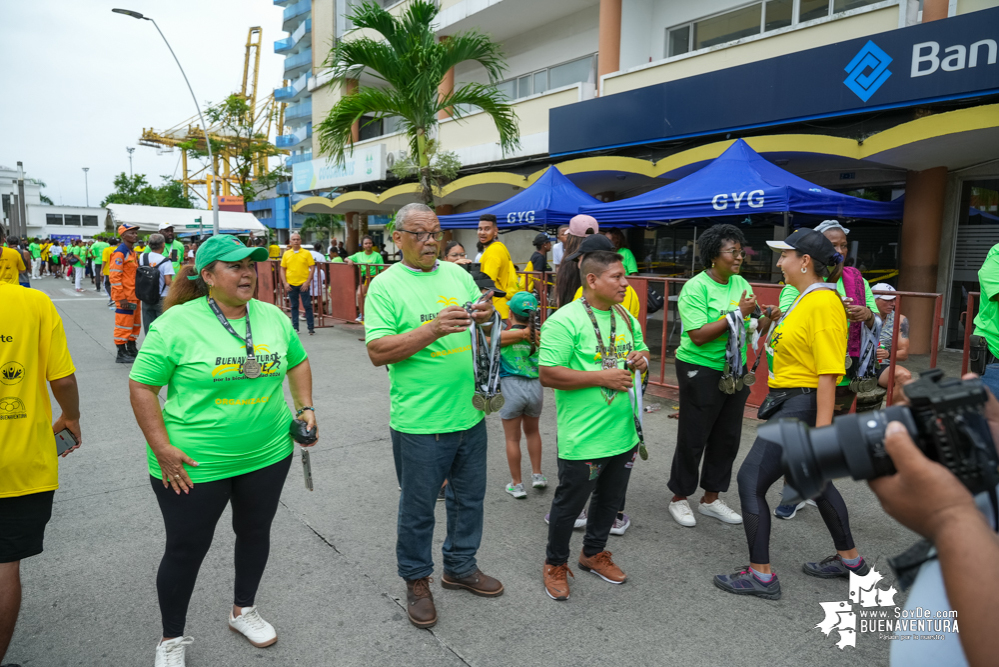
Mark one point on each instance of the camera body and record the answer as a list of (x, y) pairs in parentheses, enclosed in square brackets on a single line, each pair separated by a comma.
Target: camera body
[(944, 417)]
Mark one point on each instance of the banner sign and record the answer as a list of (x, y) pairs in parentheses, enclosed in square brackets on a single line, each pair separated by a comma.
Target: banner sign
[(364, 165), (942, 60)]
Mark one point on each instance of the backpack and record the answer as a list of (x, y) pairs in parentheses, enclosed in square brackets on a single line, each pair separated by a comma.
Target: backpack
[(147, 281)]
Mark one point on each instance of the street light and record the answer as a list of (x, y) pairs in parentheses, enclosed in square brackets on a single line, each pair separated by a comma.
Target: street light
[(86, 186), (204, 126), (130, 151)]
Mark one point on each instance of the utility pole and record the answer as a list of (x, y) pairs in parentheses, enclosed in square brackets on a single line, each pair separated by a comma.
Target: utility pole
[(86, 185), (22, 211), (130, 150)]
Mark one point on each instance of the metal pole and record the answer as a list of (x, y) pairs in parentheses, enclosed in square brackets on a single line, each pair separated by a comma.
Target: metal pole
[(86, 185), (130, 151), (204, 126), (22, 211)]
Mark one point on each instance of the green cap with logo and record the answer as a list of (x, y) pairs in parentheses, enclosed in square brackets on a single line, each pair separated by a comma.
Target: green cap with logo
[(224, 248), (523, 303)]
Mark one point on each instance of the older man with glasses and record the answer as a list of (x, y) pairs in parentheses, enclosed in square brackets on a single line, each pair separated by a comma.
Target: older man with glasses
[(416, 324)]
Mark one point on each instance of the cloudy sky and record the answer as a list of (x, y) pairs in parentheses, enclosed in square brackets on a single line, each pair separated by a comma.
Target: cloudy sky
[(80, 83)]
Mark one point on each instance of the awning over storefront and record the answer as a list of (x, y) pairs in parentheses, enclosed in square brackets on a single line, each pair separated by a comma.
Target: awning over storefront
[(183, 220), (552, 200), (739, 182)]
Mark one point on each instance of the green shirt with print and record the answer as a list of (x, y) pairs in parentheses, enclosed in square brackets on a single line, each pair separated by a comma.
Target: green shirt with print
[(628, 259), (987, 320), (589, 427), (373, 258), (228, 423), (517, 359), (167, 247), (431, 391), (788, 294), (97, 249), (703, 301), (35, 250), (74, 255)]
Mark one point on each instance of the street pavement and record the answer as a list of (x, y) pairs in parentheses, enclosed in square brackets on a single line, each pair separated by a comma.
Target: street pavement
[(331, 587)]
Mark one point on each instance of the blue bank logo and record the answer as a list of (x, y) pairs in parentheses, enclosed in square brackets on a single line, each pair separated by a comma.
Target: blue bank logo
[(868, 71)]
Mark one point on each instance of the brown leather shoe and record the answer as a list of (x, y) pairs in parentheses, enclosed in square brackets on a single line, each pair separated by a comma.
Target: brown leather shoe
[(602, 566), (556, 581), (422, 612), (481, 584)]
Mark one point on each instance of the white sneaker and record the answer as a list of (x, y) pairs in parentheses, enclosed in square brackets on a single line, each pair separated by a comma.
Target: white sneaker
[(259, 632), (719, 510), (812, 503), (681, 513), (170, 653), (359, 319), (580, 520), (516, 490), (539, 481)]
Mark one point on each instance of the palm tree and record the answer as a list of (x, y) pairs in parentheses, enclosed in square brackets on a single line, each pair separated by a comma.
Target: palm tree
[(325, 224), (412, 62)]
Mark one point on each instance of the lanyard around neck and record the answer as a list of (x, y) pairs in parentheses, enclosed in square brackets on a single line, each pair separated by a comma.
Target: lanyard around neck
[(228, 327)]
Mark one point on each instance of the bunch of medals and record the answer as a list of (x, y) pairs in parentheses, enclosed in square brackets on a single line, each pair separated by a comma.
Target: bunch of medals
[(251, 367), (486, 361), (866, 378), (732, 379)]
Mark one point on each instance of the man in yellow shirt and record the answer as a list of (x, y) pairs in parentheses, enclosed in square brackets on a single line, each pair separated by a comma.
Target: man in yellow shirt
[(33, 351), (274, 251), (106, 267), (297, 267), (11, 263), (496, 263)]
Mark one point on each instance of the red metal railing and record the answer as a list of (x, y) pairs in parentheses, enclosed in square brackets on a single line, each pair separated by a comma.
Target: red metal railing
[(968, 322)]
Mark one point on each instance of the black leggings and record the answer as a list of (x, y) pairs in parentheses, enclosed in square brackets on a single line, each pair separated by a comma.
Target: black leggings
[(190, 526), (762, 468)]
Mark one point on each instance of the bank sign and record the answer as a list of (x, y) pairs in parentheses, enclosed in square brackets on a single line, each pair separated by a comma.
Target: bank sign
[(365, 164), (942, 60)]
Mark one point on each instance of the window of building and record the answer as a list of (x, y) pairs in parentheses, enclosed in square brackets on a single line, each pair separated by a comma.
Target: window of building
[(72, 220), (90, 221), (53, 218), (753, 19), (575, 71)]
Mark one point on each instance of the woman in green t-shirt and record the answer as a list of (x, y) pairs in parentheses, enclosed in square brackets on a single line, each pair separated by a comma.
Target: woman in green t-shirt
[(223, 434), (627, 257), (710, 419), (366, 256)]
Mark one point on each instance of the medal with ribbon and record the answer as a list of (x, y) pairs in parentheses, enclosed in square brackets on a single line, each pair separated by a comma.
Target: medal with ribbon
[(608, 355), (251, 367), (486, 361)]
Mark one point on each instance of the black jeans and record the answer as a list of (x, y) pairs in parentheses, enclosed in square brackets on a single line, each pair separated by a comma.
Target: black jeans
[(294, 291), (605, 478), (762, 468), (190, 525), (710, 425), (150, 312)]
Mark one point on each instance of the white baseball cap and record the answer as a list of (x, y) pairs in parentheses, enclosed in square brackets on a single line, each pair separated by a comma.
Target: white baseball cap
[(883, 287), (165, 225)]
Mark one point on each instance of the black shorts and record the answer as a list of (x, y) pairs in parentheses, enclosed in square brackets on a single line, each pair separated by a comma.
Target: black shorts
[(22, 525), (882, 370)]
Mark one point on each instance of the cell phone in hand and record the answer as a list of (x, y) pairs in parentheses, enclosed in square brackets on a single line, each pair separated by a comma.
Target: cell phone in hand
[(307, 468), (65, 441)]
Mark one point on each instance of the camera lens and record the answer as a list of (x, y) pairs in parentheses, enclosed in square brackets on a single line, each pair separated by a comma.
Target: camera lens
[(852, 446)]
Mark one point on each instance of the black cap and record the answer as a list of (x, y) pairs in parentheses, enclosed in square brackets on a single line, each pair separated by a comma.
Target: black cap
[(811, 243), (542, 239), (594, 243), (485, 282)]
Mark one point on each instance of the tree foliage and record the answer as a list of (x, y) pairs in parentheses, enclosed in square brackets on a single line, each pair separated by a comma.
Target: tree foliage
[(411, 62), (325, 224), (137, 190)]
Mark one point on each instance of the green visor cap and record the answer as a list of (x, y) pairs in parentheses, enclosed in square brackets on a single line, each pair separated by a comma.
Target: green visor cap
[(224, 248)]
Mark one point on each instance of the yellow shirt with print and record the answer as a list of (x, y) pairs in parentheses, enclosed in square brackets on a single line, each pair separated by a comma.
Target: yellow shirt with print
[(296, 265), (274, 251), (11, 263), (106, 259), (33, 351), (630, 303), (497, 264), (809, 342)]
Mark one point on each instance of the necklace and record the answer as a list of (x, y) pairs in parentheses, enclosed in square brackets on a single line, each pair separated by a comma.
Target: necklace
[(608, 355)]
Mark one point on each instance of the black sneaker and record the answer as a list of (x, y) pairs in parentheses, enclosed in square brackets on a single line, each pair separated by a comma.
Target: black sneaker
[(744, 582), (834, 567), (440, 495)]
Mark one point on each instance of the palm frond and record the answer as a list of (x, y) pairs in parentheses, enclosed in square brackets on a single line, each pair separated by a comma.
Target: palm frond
[(492, 102), (334, 131)]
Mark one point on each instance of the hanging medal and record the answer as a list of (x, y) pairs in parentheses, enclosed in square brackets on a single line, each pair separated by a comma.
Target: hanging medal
[(486, 361), (608, 355), (251, 367)]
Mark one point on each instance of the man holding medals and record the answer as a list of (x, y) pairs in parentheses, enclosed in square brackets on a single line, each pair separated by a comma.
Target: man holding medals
[(225, 433), (590, 351), (417, 318)]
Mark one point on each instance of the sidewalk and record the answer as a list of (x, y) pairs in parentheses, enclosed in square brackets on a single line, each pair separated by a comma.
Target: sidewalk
[(331, 588)]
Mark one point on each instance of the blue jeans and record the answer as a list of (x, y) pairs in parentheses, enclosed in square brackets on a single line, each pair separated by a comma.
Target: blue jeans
[(293, 293), (422, 463), (991, 378)]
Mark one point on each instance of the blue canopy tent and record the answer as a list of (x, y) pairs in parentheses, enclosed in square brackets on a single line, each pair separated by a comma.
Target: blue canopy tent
[(738, 182), (552, 200)]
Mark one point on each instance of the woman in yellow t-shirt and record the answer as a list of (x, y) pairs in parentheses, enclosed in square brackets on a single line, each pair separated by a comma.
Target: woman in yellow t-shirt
[(806, 352)]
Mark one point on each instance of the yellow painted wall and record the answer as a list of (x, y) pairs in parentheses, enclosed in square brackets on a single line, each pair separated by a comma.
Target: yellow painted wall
[(968, 6), (831, 32)]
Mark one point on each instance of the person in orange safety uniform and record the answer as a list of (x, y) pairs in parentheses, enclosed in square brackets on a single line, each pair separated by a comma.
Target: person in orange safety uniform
[(127, 316)]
